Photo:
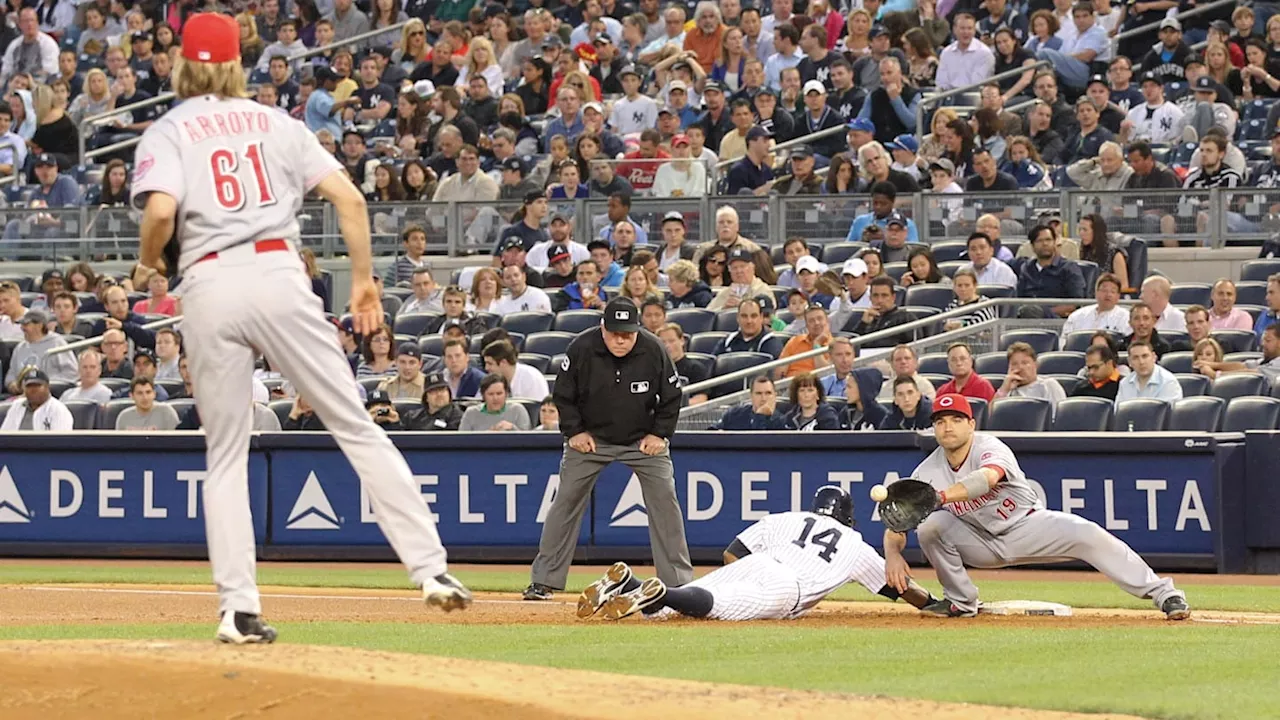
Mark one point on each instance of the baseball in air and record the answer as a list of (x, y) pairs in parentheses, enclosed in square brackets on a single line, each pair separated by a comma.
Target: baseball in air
[(879, 493)]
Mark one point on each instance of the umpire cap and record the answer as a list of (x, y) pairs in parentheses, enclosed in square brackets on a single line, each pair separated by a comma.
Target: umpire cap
[(621, 315), (832, 500)]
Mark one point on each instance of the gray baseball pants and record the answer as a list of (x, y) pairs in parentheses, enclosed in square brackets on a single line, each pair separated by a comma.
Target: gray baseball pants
[(578, 473), (1043, 536)]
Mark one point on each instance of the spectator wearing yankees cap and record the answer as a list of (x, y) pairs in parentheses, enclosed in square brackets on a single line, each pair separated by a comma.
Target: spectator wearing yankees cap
[(439, 412), (515, 183), (38, 410), (144, 366), (619, 399)]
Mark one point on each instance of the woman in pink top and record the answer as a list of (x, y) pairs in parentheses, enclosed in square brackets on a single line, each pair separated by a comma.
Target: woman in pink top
[(1223, 314), (160, 302)]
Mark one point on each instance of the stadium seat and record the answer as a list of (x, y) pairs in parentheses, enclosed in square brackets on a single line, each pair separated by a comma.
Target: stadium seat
[(541, 363), (774, 344), (895, 270), (949, 268), (534, 410), (1191, 294), (84, 414), (934, 363), (835, 254), (1177, 362), (726, 321), (527, 323), (281, 408), (921, 312), (996, 379), (172, 387), (934, 296), (936, 379), (1067, 381), (1256, 109), (706, 342), (24, 281), (1253, 130), (371, 383), (950, 252), (695, 320), (491, 320), (107, 416), (1251, 293), (1251, 413), (391, 304), (548, 343), (1042, 340), (1089, 269), (1137, 257), (992, 363), (1060, 363), (181, 406), (1229, 386), (115, 384), (979, 407), (431, 345), (57, 387), (705, 362), (1259, 270), (1192, 384), (733, 362), (1018, 414), (1233, 341), (417, 324), (575, 321), (517, 339), (1176, 338), (1082, 414), (402, 292), (1141, 415), (406, 405)]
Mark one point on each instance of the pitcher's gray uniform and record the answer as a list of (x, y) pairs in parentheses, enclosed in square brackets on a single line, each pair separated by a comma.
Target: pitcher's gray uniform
[(238, 172), (797, 559), (1009, 525)]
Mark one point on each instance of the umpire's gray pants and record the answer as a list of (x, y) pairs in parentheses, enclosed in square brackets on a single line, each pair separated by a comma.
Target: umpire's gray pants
[(1042, 536), (578, 473)]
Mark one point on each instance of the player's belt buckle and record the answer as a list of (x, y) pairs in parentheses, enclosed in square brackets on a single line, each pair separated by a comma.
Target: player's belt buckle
[(260, 246)]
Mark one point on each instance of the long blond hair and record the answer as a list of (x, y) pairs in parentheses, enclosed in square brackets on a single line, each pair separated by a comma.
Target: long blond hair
[(479, 43), (193, 79), (414, 24), (106, 85)]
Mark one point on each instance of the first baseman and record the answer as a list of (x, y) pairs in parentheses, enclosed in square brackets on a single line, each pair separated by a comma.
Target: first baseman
[(230, 175), (988, 516), (778, 568)]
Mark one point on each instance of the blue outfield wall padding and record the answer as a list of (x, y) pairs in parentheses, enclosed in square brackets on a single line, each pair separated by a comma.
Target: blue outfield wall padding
[(1161, 493)]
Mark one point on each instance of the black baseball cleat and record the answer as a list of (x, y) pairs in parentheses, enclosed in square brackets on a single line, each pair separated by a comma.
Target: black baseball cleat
[(538, 591), (239, 628), (946, 608), (445, 592), (1175, 608)]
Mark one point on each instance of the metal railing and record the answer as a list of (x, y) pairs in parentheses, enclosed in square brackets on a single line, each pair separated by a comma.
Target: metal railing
[(933, 100), (90, 342), (348, 42), (90, 124), (794, 142), (1143, 29)]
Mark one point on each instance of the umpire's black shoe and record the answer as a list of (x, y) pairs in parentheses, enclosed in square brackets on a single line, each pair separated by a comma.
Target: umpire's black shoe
[(1176, 608), (538, 591), (240, 628), (945, 608)]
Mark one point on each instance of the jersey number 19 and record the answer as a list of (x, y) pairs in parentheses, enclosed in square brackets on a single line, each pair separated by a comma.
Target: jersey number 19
[(227, 186), (826, 539)]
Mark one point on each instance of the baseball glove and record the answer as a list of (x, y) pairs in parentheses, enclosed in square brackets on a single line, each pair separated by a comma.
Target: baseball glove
[(909, 502)]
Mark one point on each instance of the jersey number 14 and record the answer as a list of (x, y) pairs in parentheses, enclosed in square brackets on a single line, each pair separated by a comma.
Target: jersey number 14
[(227, 186), (827, 539)]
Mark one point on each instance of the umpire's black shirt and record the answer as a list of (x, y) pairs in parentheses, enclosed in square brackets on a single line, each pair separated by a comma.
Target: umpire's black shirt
[(618, 400)]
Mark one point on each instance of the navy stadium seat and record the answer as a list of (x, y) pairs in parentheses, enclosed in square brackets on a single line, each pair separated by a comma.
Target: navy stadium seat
[(181, 406), (1089, 269), (1251, 413), (1018, 414), (404, 293), (950, 251), (107, 416), (1258, 270), (1067, 381), (417, 324), (1233, 341), (834, 254), (1193, 385), (371, 383), (1229, 386), (935, 363), (995, 291), (694, 320), (1136, 249), (1060, 363), (1042, 340), (575, 321), (726, 320), (950, 267), (24, 281), (1251, 293), (1082, 414), (404, 406), (1190, 294), (115, 384), (992, 363), (84, 414), (1177, 362), (936, 379), (431, 345), (895, 270), (934, 296), (1253, 130), (1256, 109), (706, 342), (548, 343), (57, 387), (774, 344), (979, 407), (1175, 337), (707, 363), (281, 408), (1142, 415), (517, 339), (539, 362), (733, 362), (527, 323), (996, 379)]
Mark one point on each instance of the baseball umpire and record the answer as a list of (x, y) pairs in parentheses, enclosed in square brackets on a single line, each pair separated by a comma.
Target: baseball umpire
[(618, 398)]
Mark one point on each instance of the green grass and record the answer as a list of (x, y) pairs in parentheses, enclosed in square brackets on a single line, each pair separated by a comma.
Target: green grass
[(1165, 671), (1238, 598)]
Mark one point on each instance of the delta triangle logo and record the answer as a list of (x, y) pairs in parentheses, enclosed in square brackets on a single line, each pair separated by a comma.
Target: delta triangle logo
[(312, 510), (12, 507), (630, 510)]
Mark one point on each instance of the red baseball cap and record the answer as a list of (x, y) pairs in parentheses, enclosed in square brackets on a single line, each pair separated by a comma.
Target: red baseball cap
[(952, 403), (211, 38)]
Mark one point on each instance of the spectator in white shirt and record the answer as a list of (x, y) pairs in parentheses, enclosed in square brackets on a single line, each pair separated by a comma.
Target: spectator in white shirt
[(37, 410), (1105, 315), (989, 269), (561, 231), (1023, 379), (31, 52), (1156, 291), (520, 297), (89, 388), (966, 61), (500, 357), (427, 295), (1148, 379), (682, 177)]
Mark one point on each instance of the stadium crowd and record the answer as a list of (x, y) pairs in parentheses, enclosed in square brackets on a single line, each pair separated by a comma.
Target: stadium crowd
[(539, 104)]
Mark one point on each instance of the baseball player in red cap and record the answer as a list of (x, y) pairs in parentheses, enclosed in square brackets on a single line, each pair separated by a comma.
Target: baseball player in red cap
[(990, 517), (225, 178)]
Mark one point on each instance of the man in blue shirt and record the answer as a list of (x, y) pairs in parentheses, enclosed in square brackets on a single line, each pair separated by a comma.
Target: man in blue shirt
[(1050, 276), (569, 124), (752, 175), (322, 110), (1090, 43), (55, 191), (1272, 314), (883, 197)]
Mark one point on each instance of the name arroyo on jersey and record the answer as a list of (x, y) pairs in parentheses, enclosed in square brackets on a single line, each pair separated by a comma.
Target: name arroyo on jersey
[(225, 124)]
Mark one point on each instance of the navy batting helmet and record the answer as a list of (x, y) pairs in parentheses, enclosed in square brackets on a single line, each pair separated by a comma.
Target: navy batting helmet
[(834, 501)]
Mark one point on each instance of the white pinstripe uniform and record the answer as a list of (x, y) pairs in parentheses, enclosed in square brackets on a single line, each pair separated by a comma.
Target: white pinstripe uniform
[(797, 559)]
